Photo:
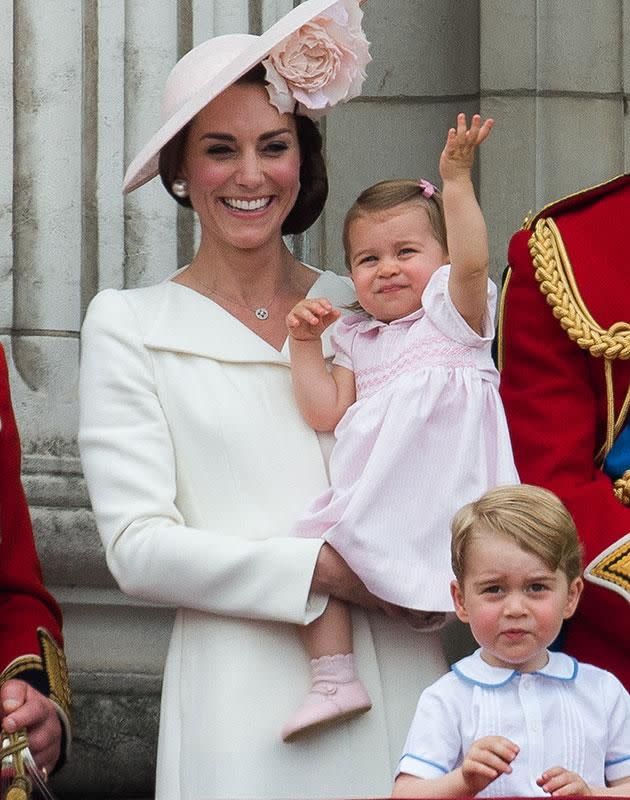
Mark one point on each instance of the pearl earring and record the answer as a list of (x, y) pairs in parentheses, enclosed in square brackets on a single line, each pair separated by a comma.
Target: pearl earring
[(179, 187)]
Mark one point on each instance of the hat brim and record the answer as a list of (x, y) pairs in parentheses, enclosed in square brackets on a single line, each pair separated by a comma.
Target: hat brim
[(144, 166)]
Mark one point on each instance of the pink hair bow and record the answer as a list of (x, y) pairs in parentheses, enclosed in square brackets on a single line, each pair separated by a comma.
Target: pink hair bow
[(428, 189)]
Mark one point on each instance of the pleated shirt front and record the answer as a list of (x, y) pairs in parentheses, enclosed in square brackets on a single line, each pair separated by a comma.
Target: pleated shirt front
[(567, 714)]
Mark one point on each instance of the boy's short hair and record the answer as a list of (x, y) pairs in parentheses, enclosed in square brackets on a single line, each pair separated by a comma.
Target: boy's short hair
[(534, 518)]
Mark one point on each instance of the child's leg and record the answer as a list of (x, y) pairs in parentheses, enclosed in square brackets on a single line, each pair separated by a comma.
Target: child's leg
[(336, 692), (329, 634)]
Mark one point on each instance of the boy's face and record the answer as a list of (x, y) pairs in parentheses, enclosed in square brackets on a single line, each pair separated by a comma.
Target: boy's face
[(513, 602)]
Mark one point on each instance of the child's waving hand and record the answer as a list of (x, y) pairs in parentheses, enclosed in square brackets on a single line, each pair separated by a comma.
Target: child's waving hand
[(459, 151), (310, 317)]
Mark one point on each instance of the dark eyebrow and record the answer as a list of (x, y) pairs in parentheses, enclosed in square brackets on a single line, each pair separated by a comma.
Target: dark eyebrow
[(273, 134), (224, 137), (537, 577), (227, 137)]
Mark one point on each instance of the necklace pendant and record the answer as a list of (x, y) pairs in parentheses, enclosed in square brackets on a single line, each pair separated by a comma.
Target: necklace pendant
[(261, 313)]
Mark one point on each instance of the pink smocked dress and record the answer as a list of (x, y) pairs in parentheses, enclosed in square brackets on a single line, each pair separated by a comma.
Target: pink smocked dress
[(426, 434)]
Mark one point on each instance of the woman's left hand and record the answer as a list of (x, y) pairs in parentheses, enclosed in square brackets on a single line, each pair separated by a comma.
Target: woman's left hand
[(333, 576)]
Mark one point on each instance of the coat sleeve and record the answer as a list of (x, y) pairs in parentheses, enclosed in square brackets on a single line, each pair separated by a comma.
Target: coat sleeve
[(30, 620), (552, 405), (129, 464)]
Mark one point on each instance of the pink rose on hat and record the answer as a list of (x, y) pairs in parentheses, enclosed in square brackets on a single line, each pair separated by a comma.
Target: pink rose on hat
[(321, 64)]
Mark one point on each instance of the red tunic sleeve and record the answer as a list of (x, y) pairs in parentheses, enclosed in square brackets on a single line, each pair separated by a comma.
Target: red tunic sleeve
[(25, 605)]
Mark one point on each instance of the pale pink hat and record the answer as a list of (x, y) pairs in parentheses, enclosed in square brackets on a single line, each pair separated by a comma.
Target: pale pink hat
[(316, 56)]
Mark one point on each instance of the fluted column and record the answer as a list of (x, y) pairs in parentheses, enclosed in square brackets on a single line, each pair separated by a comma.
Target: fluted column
[(555, 76)]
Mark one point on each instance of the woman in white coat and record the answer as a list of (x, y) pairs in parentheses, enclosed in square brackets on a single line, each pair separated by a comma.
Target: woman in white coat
[(197, 460)]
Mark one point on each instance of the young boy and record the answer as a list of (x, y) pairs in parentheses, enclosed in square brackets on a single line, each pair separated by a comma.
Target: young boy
[(513, 718)]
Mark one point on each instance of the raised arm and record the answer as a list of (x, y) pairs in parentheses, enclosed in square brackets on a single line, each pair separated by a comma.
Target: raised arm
[(466, 233), (322, 396)]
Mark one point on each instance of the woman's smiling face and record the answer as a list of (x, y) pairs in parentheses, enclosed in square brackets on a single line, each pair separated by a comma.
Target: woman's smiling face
[(242, 164)]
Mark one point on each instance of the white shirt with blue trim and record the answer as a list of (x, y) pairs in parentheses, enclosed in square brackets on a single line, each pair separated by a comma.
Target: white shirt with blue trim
[(567, 714)]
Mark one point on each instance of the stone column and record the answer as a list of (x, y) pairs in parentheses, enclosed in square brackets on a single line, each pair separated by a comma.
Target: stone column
[(555, 77)]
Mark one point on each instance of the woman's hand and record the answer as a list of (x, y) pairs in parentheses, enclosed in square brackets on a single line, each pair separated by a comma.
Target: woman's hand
[(333, 576), (22, 706), (310, 317)]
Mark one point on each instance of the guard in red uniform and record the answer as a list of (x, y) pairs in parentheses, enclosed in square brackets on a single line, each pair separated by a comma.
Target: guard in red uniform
[(564, 355), (34, 690)]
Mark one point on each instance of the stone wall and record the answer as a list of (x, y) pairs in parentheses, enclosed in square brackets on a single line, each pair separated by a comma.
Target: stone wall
[(79, 95)]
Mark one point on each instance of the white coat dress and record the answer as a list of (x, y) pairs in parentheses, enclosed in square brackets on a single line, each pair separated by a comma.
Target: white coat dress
[(198, 464)]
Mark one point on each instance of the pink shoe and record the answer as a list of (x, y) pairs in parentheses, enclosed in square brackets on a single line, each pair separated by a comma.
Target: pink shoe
[(336, 694)]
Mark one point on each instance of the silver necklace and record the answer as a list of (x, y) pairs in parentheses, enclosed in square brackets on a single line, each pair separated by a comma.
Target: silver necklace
[(261, 313)]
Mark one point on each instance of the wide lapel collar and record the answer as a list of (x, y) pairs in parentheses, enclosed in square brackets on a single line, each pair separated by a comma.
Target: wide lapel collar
[(187, 322)]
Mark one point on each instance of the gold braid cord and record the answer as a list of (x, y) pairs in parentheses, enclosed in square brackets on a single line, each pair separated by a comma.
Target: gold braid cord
[(612, 568), (56, 670), (12, 747), (555, 277), (19, 665), (622, 488)]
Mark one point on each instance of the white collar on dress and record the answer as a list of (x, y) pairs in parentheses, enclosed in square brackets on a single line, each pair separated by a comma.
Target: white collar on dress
[(473, 669), (365, 322)]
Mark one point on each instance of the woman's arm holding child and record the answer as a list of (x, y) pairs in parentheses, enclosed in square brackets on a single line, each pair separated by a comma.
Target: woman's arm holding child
[(487, 758), (323, 397), (466, 233)]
